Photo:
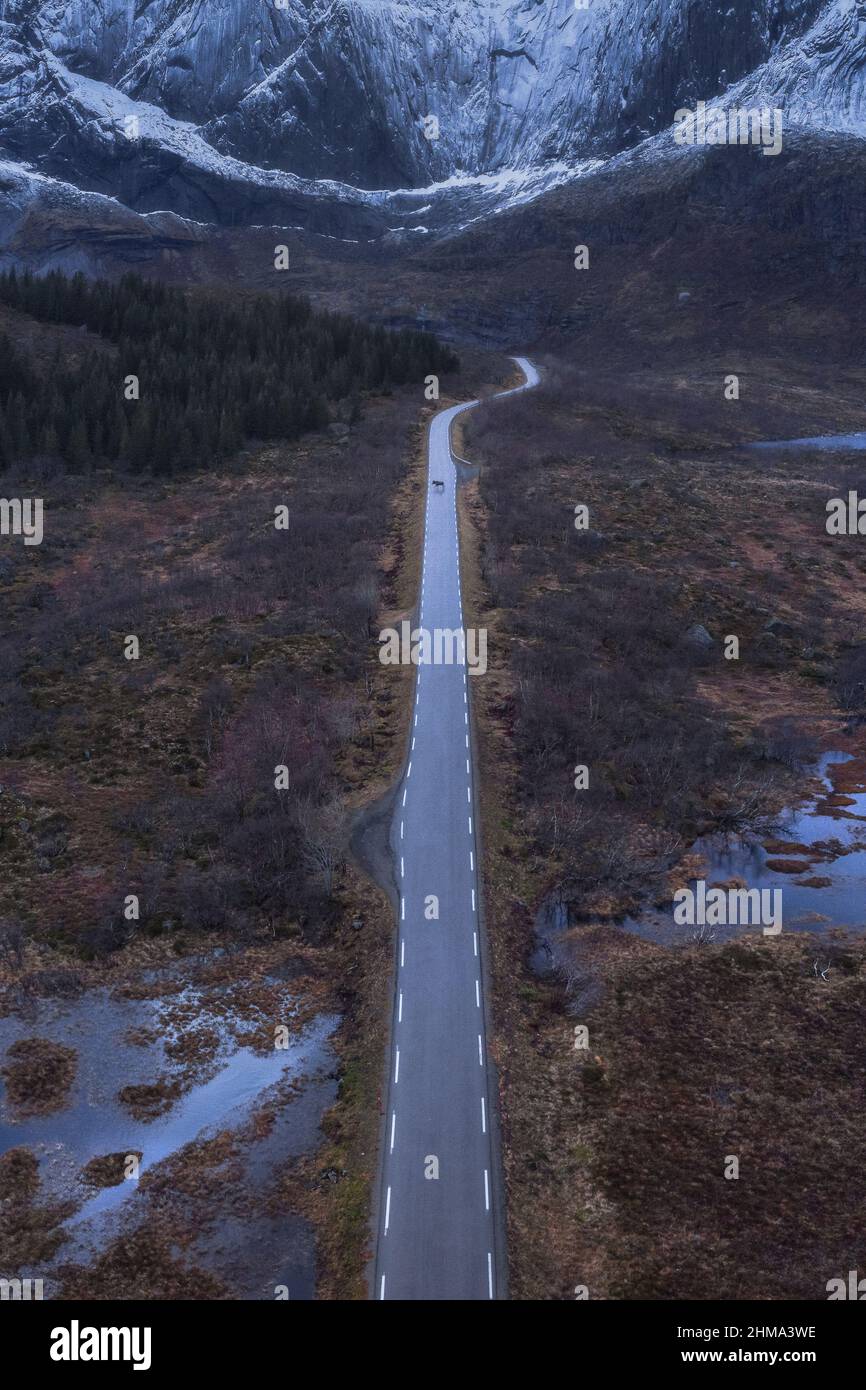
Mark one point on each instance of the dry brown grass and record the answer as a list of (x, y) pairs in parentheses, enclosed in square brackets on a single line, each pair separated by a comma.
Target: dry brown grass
[(39, 1074), (612, 1156)]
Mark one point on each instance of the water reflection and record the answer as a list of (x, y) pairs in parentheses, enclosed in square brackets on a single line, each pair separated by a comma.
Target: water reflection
[(818, 861)]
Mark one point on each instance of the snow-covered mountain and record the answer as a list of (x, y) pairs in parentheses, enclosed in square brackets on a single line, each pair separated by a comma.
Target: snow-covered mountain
[(304, 111)]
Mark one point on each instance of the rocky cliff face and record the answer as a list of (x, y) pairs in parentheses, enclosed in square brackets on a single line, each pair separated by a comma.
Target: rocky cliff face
[(233, 110)]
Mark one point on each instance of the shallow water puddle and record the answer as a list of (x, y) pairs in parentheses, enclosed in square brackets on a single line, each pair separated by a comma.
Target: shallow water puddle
[(121, 1042), (823, 442), (817, 861)]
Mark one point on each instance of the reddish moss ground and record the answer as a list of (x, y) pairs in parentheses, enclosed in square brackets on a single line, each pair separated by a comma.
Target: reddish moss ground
[(614, 1157)]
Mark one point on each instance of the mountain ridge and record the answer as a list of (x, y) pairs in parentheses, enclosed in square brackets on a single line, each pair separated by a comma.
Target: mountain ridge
[(316, 115)]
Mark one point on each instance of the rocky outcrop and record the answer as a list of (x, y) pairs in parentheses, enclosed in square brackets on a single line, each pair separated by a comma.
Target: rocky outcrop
[(295, 110), (341, 88)]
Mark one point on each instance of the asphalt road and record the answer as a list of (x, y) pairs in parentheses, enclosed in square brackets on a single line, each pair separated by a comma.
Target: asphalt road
[(439, 1198)]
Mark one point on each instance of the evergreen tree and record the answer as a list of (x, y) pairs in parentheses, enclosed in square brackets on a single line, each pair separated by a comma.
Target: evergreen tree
[(215, 370)]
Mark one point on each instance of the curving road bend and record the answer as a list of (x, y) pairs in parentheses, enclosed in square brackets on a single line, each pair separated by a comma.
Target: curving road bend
[(439, 1199)]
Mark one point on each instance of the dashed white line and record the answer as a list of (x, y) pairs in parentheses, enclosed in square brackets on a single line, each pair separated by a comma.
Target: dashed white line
[(477, 996), (388, 1206), (394, 1122), (382, 1288), (400, 1009), (486, 1194), (480, 1054), (469, 795), (475, 942), (473, 899), (472, 861), (405, 794), (401, 830), (409, 769), (403, 952), (397, 1064), (483, 1117), (489, 1276), (470, 825)]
